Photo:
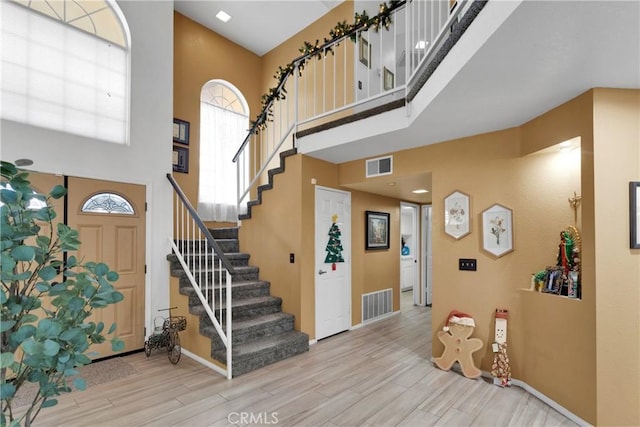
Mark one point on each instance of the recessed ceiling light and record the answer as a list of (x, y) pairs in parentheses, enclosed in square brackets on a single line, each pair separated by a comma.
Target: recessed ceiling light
[(23, 162), (223, 16), (422, 44), (420, 191)]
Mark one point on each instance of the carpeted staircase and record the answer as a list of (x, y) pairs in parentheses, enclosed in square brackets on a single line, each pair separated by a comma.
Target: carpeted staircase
[(261, 333)]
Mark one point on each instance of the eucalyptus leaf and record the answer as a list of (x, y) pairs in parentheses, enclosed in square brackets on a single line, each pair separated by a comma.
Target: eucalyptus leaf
[(6, 325), (80, 383), (47, 273), (23, 253), (49, 403), (6, 359), (7, 390), (58, 191)]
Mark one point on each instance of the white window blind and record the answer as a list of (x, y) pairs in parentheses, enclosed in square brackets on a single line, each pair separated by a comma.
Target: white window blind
[(59, 77)]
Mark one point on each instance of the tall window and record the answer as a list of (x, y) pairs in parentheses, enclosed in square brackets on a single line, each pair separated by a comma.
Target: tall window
[(65, 66), (224, 123)]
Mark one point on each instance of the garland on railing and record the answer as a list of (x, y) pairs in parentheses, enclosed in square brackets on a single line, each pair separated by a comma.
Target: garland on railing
[(308, 50)]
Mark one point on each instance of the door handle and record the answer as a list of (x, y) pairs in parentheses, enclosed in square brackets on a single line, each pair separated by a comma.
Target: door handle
[(321, 272)]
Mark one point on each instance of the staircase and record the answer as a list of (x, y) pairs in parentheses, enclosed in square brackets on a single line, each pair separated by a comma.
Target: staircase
[(262, 333)]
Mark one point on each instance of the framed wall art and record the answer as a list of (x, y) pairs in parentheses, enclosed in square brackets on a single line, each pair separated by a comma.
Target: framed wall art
[(377, 230), (389, 79), (180, 131), (364, 52), (497, 230), (180, 159), (634, 214), (457, 215)]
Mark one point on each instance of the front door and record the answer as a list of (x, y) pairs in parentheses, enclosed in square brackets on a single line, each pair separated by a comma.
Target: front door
[(333, 262), (110, 218)]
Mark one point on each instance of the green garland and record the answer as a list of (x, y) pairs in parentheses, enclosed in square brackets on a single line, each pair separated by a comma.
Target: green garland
[(308, 50)]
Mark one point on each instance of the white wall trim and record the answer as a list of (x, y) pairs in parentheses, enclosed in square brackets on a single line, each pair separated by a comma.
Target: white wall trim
[(526, 387), (205, 362)]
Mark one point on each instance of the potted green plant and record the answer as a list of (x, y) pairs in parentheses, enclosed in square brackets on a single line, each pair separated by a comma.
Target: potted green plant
[(44, 343)]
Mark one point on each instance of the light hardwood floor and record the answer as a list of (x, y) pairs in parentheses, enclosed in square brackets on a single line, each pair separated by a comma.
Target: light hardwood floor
[(377, 375)]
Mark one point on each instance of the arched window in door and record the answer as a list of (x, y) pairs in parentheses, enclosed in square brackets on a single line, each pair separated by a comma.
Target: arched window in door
[(224, 123)]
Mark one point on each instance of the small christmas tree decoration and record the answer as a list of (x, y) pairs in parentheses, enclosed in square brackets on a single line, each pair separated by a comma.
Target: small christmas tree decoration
[(334, 246)]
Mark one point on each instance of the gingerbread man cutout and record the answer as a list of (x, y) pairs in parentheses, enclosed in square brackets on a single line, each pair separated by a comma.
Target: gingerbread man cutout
[(459, 347)]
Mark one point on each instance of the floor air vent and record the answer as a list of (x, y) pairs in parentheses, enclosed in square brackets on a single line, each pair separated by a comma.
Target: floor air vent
[(380, 166), (377, 304)]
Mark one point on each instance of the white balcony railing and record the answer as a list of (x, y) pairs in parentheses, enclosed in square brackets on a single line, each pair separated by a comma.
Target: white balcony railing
[(207, 268), (365, 68)]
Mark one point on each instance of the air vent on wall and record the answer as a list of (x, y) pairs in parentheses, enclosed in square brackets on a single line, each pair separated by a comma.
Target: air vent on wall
[(380, 166)]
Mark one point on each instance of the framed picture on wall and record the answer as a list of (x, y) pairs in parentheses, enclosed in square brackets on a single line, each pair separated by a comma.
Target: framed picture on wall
[(377, 230), (457, 215), (180, 159), (180, 131), (389, 79), (497, 230), (364, 52), (634, 214)]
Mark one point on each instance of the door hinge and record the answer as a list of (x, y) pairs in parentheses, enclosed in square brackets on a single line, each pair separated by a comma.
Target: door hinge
[(145, 269), (145, 206)]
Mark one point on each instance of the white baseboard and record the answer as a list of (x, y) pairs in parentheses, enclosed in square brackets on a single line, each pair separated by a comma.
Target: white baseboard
[(518, 383), (205, 362)]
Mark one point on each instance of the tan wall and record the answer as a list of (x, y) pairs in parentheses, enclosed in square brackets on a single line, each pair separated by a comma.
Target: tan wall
[(285, 223), (616, 149), (492, 169), (201, 55)]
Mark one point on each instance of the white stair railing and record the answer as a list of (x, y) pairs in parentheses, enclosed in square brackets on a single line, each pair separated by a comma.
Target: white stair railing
[(208, 269), (371, 65)]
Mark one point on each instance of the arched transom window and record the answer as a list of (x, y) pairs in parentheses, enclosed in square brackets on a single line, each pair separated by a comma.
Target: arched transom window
[(109, 203)]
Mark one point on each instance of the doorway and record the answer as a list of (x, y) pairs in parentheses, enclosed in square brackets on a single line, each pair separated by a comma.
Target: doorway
[(409, 253), (333, 261), (110, 219)]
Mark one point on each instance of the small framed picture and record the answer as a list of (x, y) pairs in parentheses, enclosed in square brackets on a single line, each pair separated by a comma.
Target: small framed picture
[(634, 214), (497, 230), (457, 214), (180, 131), (377, 230), (180, 159), (389, 79), (364, 52)]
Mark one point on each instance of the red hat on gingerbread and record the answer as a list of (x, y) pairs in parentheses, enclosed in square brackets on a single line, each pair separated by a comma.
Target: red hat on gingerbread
[(459, 318)]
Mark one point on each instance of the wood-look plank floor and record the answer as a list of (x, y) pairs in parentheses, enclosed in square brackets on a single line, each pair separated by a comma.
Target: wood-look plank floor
[(377, 375)]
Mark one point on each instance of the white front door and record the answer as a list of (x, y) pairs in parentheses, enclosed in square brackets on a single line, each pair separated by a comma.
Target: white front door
[(333, 261)]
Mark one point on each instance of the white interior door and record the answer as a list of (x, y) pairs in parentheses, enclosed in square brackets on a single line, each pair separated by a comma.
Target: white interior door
[(333, 261)]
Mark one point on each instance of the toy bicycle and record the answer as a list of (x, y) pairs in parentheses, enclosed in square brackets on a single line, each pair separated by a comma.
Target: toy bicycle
[(167, 335)]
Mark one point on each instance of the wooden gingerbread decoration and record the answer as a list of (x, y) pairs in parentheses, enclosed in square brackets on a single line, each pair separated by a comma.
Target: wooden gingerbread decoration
[(458, 347)]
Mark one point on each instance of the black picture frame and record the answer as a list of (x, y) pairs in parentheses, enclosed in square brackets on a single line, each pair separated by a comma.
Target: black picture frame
[(180, 131), (377, 230), (180, 159), (634, 214)]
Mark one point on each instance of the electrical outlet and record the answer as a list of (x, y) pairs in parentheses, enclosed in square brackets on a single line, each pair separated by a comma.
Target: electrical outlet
[(467, 264)]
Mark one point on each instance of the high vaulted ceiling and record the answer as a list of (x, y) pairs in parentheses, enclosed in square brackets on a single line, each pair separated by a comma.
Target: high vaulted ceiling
[(256, 25)]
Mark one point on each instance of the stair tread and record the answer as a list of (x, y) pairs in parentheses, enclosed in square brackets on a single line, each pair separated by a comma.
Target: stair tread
[(257, 320), (262, 344), (242, 302)]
